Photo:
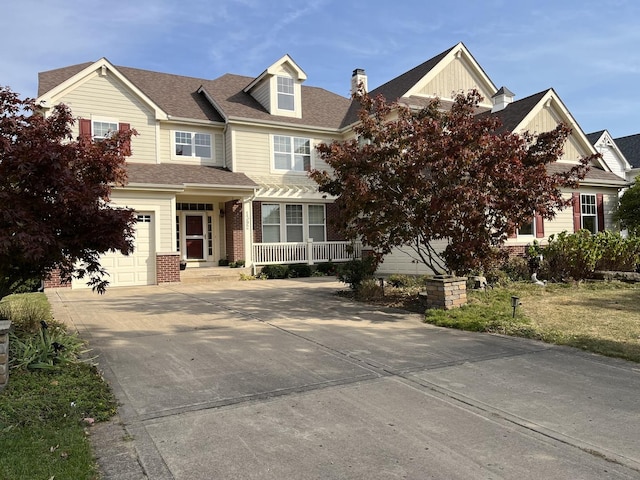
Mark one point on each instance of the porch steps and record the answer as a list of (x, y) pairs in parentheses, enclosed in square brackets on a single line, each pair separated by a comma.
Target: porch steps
[(212, 274)]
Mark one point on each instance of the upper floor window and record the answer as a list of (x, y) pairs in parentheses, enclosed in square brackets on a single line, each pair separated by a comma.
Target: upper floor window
[(291, 153), (588, 212), (191, 144), (103, 129), (286, 99)]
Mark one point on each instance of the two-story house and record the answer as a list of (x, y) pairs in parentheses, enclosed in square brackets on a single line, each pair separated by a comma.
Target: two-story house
[(219, 167)]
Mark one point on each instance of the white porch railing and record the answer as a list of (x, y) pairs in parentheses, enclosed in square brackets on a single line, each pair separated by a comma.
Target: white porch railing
[(305, 252)]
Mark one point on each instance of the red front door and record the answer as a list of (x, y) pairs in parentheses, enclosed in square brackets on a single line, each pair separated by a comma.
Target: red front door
[(194, 236)]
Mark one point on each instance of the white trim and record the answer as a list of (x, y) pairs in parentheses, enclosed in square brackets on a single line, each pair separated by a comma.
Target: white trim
[(457, 52), (46, 100)]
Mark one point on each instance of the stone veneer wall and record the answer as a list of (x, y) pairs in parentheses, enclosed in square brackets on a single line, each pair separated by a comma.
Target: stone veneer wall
[(4, 353), (167, 268), (446, 292)]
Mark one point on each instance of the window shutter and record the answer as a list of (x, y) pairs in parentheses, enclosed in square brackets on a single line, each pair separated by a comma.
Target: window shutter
[(539, 226), (85, 128), (600, 211), (576, 211), (126, 146)]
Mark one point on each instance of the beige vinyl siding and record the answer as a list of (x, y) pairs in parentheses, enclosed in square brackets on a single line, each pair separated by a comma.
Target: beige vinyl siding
[(545, 121), (161, 204), (167, 130), (263, 95), (229, 152), (455, 77), (399, 261), (107, 98), (254, 156)]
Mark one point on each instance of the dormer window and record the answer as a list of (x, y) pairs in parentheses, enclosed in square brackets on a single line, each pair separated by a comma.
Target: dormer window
[(286, 98)]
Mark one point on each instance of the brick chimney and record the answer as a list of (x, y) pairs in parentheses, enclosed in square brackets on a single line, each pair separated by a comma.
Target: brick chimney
[(359, 76), (501, 99)]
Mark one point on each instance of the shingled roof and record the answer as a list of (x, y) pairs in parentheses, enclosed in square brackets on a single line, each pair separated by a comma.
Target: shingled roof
[(513, 114), (594, 137), (179, 96), (594, 174), (179, 174), (630, 148)]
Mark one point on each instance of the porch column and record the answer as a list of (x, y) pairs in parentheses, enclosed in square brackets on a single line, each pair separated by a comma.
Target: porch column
[(247, 215)]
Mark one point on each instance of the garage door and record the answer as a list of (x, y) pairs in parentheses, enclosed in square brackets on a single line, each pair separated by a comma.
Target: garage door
[(138, 268)]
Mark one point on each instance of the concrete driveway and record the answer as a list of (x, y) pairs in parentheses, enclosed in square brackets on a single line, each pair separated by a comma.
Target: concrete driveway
[(281, 379)]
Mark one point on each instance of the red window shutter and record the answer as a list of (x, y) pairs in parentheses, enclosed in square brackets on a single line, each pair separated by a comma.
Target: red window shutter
[(600, 211), (85, 128), (576, 211), (126, 147), (539, 226)]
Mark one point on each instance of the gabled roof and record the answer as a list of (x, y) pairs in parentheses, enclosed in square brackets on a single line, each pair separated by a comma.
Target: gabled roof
[(56, 82), (595, 136), (191, 98), (405, 87), (602, 139), (630, 147), (514, 114), (274, 68)]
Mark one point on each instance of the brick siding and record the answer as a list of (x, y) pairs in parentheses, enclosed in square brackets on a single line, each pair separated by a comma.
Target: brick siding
[(167, 268), (233, 225)]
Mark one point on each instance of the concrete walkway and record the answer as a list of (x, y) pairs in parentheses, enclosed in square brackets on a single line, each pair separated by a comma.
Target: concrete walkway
[(281, 379)]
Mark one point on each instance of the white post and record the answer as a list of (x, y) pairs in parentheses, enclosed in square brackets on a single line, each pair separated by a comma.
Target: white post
[(310, 251)]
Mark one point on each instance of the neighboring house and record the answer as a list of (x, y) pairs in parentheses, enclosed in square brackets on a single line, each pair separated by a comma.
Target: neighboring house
[(611, 153), (219, 168), (630, 147)]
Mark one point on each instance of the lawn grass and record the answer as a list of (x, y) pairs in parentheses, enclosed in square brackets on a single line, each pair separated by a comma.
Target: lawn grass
[(45, 413), (600, 317)]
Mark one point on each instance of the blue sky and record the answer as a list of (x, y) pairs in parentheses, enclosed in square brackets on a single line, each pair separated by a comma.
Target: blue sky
[(588, 51)]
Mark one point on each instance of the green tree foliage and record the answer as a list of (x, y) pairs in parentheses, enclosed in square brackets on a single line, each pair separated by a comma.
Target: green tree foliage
[(54, 196), (418, 178), (628, 212)]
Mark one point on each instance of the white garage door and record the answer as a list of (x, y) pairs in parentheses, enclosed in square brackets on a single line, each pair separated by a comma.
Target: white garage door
[(138, 268)]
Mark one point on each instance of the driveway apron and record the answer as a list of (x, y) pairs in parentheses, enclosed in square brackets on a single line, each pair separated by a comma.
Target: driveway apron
[(282, 379)]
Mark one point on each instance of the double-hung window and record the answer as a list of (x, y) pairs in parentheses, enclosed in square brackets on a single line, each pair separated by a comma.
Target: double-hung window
[(299, 223), (286, 98), (103, 129), (588, 212), (291, 153), (192, 144)]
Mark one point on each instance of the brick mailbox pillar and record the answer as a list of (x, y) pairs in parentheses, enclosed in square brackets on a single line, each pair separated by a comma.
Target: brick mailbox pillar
[(4, 353), (446, 292)]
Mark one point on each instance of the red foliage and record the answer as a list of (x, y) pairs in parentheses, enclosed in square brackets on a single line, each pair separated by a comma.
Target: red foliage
[(54, 195), (413, 178)]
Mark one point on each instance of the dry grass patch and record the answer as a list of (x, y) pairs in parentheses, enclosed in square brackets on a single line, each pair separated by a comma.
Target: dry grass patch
[(599, 317)]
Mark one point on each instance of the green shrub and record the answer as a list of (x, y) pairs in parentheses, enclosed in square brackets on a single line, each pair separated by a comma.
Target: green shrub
[(618, 253), (275, 271), (579, 254), (354, 272), (327, 268), (517, 269), (223, 262), (299, 270)]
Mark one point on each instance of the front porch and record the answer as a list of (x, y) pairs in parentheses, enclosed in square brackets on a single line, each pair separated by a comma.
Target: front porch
[(308, 252)]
